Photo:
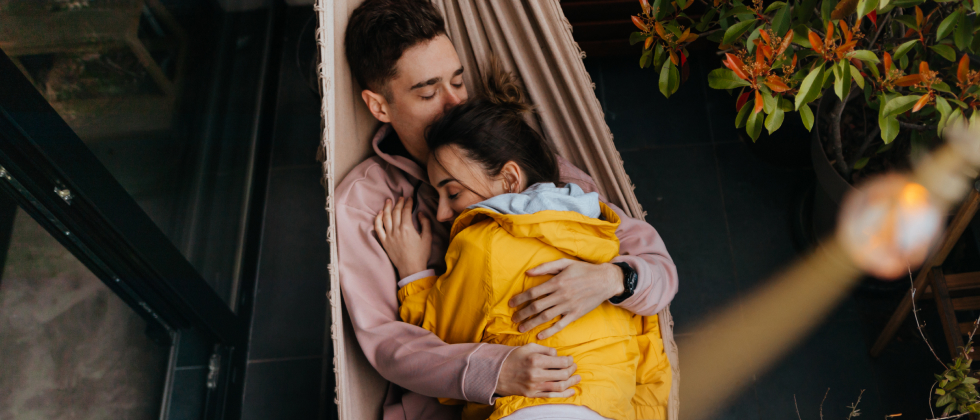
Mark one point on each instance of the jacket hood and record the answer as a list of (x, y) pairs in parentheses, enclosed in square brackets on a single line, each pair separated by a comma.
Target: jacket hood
[(545, 196), (590, 239), (407, 165)]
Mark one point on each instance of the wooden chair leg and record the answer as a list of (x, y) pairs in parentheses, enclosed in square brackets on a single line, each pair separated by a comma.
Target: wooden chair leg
[(946, 313), (956, 227)]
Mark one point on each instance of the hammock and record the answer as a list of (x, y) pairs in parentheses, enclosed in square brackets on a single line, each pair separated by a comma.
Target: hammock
[(533, 39)]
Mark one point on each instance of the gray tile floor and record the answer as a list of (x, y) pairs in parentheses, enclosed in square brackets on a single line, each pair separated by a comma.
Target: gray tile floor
[(727, 217)]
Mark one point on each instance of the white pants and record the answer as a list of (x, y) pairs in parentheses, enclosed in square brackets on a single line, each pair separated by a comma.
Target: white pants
[(555, 412)]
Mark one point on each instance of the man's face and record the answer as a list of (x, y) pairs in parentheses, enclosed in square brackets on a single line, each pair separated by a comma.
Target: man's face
[(428, 82)]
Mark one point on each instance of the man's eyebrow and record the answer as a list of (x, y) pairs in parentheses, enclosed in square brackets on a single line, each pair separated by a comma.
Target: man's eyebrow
[(435, 80), (429, 82), (444, 182)]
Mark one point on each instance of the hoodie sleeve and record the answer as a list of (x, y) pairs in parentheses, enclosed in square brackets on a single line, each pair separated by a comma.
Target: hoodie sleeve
[(403, 353), (641, 247)]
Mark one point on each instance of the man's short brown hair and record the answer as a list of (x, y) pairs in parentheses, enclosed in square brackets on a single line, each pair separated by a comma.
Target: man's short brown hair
[(379, 31)]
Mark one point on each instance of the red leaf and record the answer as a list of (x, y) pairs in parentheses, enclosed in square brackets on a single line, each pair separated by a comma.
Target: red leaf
[(735, 65), (639, 24), (815, 42), (646, 6), (963, 68), (758, 102), (923, 101), (910, 80), (683, 58), (874, 17), (776, 84), (923, 67), (787, 39), (742, 99), (888, 63)]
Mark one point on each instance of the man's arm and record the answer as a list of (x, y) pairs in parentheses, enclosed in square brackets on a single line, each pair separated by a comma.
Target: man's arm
[(403, 353), (579, 287)]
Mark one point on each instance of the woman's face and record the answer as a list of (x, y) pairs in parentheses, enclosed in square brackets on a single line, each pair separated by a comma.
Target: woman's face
[(461, 182)]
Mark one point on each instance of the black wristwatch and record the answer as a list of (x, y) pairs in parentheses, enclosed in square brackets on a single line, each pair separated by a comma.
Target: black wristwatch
[(629, 283)]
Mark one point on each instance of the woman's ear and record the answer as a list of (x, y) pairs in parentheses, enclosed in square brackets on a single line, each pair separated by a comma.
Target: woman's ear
[(377, 104), (512, 177)]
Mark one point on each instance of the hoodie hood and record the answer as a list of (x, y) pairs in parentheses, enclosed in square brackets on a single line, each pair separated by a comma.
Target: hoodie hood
[(545, 196), (589, 239)]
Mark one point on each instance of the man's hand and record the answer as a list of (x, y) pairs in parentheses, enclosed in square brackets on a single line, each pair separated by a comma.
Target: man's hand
[(537, 371), (408, 250), (577, 288)]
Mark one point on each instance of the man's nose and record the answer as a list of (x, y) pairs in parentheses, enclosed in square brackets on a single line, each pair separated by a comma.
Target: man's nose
[(452, 99)]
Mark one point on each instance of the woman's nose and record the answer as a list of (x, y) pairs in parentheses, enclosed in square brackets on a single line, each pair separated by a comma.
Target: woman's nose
[(444, 213)]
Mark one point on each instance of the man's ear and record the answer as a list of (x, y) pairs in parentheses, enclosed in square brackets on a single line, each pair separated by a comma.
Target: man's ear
[(377, 104), (513, 177)]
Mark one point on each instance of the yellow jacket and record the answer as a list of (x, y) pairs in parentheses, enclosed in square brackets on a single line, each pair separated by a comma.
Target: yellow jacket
[(620, 357)]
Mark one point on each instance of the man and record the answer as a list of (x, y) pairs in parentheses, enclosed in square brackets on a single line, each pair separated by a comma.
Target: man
[(410, 74)]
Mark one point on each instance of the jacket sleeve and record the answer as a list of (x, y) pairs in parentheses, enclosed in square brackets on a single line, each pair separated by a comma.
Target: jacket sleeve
[(641, 247), (403, 353), (412, 298)]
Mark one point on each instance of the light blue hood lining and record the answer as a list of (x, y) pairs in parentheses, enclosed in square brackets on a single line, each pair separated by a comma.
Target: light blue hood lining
[(545, 196)]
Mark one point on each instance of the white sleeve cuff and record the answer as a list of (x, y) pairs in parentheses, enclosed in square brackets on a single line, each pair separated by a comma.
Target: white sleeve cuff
[(417, 276)]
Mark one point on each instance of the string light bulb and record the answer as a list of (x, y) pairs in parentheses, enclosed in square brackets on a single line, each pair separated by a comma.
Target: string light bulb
[(889, 224)]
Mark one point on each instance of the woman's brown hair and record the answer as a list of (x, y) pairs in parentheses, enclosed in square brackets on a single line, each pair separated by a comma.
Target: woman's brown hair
[(491, 130)]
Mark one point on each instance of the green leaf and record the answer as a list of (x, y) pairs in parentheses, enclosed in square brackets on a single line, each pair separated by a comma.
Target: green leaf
[(768, 101), (866, 6), (810, 87), (861, 163), (780, 23), (864, 55), (903, 49), (958, 103), (725, 79), (750, 41), (785, 104), (939, 391), (842, 84), (706, 19), (681, 3), (637, 37), (963, 36), (774, 6), (900, 104), (807, 117), (826, 9), (888, 124), (943, 400), (774, 120), (803, 11), (743, 114), (754, 125), (945, 51), (942, 87), (947, 25), (737, 10), (800, 38), (970, 380), (944, 111), (976, 6), (856, 75), (907, 20), (659, 56), (669, 79), (735, 31), (646, 58)]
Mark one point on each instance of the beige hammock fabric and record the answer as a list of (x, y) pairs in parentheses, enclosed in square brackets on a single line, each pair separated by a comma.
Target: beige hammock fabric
[(534, 40)]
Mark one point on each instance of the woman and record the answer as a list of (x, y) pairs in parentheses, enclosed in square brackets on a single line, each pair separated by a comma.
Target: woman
[(498, 179)]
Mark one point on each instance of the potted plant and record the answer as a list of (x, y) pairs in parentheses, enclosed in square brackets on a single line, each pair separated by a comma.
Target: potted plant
[(878, 79)]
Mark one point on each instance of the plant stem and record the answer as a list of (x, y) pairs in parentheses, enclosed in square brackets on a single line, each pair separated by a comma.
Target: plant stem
[(835, 136), (864, 146), (916, 127)]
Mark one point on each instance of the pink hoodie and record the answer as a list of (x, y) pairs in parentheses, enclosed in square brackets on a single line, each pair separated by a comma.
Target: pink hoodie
[(412, 357)]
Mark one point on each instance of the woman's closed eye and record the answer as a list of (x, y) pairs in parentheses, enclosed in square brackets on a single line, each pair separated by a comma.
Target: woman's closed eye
[(453, 196)]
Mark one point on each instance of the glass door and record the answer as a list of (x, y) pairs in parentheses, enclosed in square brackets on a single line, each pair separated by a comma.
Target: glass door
[(134, 139)]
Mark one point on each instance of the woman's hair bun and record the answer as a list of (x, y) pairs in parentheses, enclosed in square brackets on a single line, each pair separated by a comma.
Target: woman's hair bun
[(501, 87)]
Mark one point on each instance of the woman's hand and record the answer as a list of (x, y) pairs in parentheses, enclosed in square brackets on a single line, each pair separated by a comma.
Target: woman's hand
[(577, 288), (537, 371), (408, 250)]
